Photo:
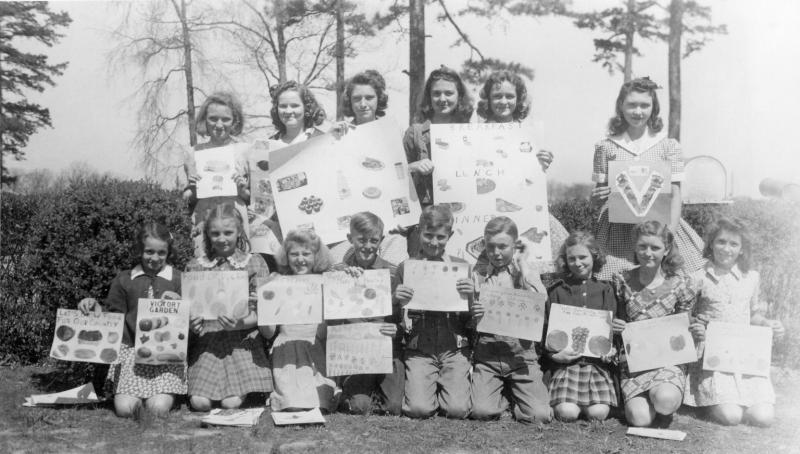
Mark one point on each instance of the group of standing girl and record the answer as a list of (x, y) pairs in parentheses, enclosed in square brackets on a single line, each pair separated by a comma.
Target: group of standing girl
[(442, 364)]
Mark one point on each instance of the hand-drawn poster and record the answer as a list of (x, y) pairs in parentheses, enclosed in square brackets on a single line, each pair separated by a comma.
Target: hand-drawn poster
[(321, 182), (162, 331), (215, 293), (216, 168), (357, 348), (737, 348), (639, 190), (290, 300), (369, 295), (512, 312), (434, 285), (93, 338), (585, 331), (659, 342), (488, 170), (264, 232)]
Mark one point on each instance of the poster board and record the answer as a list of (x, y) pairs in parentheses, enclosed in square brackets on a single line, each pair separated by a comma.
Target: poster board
[(318, 184), (434, 285), (512, 312), (261, 201), (487, 170), (639, 190), (659, 342), (369, 295), (92, 338), (586, 331), (215, 293), (162, 331), (216, 168), (357, 348), (290, 300), (738, 348)]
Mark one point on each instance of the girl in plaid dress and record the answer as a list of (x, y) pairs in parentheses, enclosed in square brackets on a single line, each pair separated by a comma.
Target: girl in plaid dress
[(581, 385), (135, 384), (227, 357), (635, 133), (653, 289)]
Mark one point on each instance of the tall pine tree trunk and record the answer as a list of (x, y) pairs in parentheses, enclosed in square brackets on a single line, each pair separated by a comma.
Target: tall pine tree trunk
[(339, 59), (676, 8), (416, 56), (187, 69), (280, 26), (630, 29)]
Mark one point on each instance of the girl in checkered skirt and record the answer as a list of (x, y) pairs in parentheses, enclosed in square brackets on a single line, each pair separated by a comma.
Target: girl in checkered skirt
[(581, 385), (227, 356)]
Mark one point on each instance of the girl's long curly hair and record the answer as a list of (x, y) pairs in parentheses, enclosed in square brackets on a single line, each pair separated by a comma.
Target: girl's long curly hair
[(672, 263), (617, 124), (225, 99), (497, 78), (323, 260), (463, 110), (313, 113), (587, 240), (737, 227), (373, 79)]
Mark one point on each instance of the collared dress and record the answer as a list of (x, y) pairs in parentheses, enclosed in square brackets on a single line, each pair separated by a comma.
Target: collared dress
[(615, 238), (229, 363), (635, 303), (587, 381), (125, 376), (731, 297)]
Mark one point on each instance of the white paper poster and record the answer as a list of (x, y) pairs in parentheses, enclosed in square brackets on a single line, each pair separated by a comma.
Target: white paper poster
[(488, 170), (215, 293), (216, 168), (639, 190), (261, 200), (357, 348), (585, 331), (737, 348), (434, 285), (93, 338), (323, 181), (369, 295), (659, 342), (290, 300), (162, 331), (512, 312)]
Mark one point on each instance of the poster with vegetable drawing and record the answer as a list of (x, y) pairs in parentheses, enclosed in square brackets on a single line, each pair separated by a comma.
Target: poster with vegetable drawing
[(321, 182), (162, 331), (345, 296), (216, 168), (434, 285), (488, 170), (290, 300), (512, 312), (93, 338), (659, 342), (639, 190), (737, 348), (585, 331), (357, 348), (215, 293)]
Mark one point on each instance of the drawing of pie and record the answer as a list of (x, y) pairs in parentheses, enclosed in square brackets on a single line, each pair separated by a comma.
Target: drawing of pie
[(557, 340), (504, 206), (371, 192), (372, 164), (370, 293), (64, 333), (599, 345), (485, 185), (677, 343)]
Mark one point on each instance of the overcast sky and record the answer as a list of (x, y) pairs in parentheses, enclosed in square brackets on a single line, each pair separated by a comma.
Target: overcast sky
[(740, 93)]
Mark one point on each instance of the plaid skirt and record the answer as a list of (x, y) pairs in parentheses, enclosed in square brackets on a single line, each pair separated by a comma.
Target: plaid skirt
[(616, 240), (144, 380), (634, 384), (228, 363), (583, 385)]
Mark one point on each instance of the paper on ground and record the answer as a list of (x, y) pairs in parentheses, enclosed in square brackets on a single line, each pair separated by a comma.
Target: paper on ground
[(285, 418), (664, 434), (83, 394), (239, 418)]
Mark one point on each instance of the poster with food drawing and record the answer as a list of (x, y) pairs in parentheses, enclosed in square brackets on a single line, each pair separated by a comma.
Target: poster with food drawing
[(321, 182), (487, 170), (737, 348), (639, 190), (290, 300), (215, 293), (345, 296), (586, 331), (434, 285), (264, 232), (92, 338), (357, 348), (512, 312), (659, 342), (162, 331), (216, 168)]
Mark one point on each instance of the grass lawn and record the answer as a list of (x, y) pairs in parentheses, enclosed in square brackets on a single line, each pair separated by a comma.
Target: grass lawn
[(95, 429)]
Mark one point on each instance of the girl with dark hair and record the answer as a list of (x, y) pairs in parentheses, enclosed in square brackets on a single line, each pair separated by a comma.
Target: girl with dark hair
[(364, 98), (295, 113)]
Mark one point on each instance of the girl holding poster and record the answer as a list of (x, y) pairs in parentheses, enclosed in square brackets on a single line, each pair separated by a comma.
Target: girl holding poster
[(298, 353), (227, 357), (653, 289), (728, 292), (152, 277), (636, 133)]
